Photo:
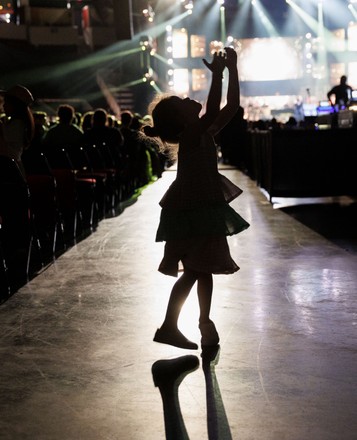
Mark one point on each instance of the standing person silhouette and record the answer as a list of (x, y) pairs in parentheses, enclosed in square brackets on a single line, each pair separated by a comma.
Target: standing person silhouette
[(341, 92), (196, 217)]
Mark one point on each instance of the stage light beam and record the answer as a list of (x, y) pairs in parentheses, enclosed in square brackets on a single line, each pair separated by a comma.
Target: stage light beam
[(263, 16), (352, 10), (222, 13), (329, 38)]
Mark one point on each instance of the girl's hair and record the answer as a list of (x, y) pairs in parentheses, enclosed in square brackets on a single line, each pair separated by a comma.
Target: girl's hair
[(167, 125)]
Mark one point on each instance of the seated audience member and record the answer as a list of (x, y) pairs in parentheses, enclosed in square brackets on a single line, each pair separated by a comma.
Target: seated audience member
[(291, 123), (41, 128), (128, 149), (65, 133), (101, 133), (274, 124), (125, 119), (86, 121)]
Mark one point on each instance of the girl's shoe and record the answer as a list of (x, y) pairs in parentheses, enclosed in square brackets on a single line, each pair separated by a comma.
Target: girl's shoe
[(209, 334), (175, 338)]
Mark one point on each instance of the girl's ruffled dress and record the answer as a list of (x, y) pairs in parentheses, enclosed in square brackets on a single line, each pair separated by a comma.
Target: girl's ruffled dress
[(196, 217)]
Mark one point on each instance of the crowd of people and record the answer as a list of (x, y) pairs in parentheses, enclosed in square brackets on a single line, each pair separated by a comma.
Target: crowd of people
[(117, 139), (97, 162)]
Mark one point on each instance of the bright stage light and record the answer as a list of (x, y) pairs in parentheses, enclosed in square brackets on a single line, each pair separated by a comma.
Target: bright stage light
[(269, 59), (181, 81), (199, 80), (215, 46), (149, 13), (198, 46), (187, 4), (180, 43), (352, 36), (223, 23)]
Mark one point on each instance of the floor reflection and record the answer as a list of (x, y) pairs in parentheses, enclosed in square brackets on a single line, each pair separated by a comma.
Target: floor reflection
[(217, 422), (168, 375)]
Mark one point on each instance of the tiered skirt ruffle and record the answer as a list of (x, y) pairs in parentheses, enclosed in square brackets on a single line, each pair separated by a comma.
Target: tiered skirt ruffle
[(213, 220)]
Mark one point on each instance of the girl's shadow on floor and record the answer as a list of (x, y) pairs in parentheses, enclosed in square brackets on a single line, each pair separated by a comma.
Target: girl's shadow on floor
[(168, 375)]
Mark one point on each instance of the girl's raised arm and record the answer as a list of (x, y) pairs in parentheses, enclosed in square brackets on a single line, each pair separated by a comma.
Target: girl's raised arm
[(233, 94), (215, 93)]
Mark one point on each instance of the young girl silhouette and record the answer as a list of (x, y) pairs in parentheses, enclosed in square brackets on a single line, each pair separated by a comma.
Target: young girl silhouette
[(196, 217)]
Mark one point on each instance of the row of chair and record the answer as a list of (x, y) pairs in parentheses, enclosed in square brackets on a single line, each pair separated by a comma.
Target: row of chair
[(64, 195)]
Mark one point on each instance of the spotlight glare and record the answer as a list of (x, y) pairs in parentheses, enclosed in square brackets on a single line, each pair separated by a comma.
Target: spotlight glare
[(188, 4), (149, 13)]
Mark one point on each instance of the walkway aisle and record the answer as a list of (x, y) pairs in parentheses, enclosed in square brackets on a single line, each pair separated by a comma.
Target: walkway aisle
[(76, 342)]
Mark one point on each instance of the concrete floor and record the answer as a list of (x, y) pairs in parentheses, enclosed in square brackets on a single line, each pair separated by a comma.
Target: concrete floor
[(77, 353)]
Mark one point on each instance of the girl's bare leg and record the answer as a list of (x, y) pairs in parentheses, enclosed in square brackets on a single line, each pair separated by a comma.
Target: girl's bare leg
[(204, 291), (179, 294), (208, 330), (169, 332)]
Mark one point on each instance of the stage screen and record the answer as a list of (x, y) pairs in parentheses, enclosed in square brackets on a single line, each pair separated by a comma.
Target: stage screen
[(270, 59)]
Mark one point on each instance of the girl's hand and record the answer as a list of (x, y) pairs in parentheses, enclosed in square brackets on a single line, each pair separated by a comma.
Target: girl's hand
[(231, 58), (218, 63)]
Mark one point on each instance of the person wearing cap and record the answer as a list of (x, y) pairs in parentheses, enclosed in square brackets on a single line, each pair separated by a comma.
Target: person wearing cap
[(17, 126)]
